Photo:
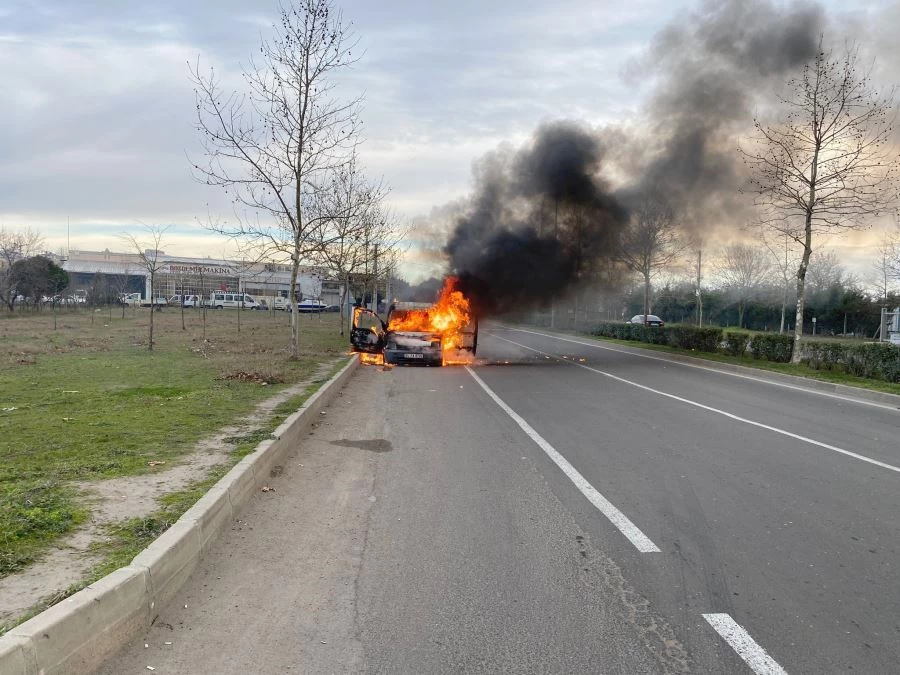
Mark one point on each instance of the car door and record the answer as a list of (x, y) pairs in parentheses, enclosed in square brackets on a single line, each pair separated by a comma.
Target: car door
[(367, 333)]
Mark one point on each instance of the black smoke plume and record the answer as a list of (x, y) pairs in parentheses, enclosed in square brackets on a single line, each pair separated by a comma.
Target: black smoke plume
[(543, 215)]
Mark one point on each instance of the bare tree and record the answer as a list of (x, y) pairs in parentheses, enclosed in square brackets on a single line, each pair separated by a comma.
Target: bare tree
[(650, 242), (828, 160), (149, 253), (271, 147), (120, 284), (15, 245), (354, 220), (742, 270), (826, 271)]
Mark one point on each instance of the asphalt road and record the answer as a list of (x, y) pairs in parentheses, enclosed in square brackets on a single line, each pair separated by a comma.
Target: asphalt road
[(561, 507)]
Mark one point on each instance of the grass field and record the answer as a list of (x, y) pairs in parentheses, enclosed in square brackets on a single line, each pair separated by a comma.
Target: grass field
[(89, 401)]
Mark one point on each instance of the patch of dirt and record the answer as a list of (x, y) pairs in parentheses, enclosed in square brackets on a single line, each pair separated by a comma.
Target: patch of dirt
[(255, 376), (118, 499)]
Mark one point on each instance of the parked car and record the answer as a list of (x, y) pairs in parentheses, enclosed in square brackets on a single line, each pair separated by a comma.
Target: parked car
[(311, 306), (185, 301), (652, 320), (135, 300)]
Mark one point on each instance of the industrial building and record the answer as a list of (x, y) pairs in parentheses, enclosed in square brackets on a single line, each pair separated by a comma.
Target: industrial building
[(179, 275)]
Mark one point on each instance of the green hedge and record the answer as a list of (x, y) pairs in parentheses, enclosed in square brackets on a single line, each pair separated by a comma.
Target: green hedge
[(697, 339), (769, 346), (875, 360), (879, 361), (772, 347), (735, 344), (685, 337)]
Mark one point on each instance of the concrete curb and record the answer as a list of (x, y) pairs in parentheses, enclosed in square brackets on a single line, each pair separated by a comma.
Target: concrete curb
[(844, 390), (78, 634)]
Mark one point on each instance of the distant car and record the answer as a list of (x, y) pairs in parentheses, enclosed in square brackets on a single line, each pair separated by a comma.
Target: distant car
[(310, 306), (652, 320)]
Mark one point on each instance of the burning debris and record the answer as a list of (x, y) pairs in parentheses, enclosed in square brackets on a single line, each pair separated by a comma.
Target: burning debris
[(372, 359)]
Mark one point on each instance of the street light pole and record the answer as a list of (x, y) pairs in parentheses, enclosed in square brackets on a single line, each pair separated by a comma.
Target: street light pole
[(699, 290)]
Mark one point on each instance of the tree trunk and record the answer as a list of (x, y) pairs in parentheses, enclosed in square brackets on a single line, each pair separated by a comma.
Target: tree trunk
[(740, 315), (807, 251), (801, 293), (344, 291), (575, 315), (783, 306), (292, 296), (646, 298), (150, 346)]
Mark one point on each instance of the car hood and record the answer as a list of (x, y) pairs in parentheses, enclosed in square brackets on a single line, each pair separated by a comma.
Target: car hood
[(412, 340)]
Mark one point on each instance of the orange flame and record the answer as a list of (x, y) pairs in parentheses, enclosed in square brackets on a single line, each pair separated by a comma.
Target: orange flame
[(449, 317), (371, 359)]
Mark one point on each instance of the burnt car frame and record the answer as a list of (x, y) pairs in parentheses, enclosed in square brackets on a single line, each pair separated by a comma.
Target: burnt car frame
[(369, 334)]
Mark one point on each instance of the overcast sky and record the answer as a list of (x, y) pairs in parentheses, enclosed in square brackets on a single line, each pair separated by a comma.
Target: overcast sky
[(96, 108)]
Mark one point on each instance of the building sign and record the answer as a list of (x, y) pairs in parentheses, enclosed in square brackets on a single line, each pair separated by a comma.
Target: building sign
[(180, 268)]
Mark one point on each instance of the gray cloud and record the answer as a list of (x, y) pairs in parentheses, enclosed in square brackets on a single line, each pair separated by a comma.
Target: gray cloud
[(96, 109)]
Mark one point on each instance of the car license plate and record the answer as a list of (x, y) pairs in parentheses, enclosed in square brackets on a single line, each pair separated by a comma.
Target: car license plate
[(413, 356)]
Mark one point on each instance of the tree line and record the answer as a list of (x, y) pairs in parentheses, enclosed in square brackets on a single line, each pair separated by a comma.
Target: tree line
[(825, 163)]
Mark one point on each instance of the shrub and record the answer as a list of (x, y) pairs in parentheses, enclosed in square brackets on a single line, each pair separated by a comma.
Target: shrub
[(875, 360), (824, 355), (772, 347), (685, 337), (735, 344), (697, 339), (880, 361)]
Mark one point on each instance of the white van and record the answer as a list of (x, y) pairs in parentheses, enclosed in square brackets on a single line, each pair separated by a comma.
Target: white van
[(225, 300), (185, 300)]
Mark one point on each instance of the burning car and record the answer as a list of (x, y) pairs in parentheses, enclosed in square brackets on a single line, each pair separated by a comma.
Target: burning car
[(438, 334)]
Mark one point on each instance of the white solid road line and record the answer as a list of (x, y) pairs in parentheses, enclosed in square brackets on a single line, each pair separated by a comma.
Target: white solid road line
[(737, 418), (747, 648), (641, 542), (783, 385)]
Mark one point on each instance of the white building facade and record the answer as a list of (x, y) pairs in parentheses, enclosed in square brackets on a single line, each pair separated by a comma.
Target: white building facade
[(179, 275)]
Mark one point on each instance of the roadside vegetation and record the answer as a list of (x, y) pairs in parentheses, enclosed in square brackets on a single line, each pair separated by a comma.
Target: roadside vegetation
[(867, 365), (88, 401)]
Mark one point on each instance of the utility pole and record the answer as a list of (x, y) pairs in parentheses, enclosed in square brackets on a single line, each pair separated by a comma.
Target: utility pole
[(556, 236), (375, 281), (785, 295), (389, 299), (699, 291)]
